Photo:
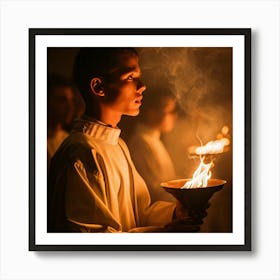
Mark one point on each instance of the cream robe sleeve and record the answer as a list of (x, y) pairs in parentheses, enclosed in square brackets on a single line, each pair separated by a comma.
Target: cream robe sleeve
[(87, 207), (86, 204), (76, 193), (81, 196)]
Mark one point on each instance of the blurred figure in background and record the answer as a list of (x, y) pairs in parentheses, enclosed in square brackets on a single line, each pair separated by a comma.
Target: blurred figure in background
[(150, 156), (60, 100)]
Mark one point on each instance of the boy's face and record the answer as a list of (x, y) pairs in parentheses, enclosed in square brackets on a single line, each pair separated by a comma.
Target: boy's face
[(123, 93), (60, 104), (168, 116), (163, 117)]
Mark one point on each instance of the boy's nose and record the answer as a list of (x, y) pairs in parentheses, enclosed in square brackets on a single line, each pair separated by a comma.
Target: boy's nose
[(140, 87)]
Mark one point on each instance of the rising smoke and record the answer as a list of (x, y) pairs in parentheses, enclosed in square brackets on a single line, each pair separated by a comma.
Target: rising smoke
[(201, 78)]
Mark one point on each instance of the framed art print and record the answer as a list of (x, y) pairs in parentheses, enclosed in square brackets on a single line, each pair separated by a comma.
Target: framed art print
[(208, 72)]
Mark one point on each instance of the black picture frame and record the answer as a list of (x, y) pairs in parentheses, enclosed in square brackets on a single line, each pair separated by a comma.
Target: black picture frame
[(34, 34)]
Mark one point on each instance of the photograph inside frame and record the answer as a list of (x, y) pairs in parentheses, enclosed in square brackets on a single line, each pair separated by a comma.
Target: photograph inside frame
[(139, 139), (147, 140)]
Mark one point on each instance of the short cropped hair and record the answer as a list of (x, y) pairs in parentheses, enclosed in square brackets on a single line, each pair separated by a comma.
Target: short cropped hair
[(97, 62)]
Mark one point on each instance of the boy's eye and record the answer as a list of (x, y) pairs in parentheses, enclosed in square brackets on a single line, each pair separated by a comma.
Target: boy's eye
[(130, 78)]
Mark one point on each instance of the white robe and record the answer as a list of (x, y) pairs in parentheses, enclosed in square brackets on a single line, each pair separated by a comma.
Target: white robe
[(94, 186), (152, 160), (55, 141)]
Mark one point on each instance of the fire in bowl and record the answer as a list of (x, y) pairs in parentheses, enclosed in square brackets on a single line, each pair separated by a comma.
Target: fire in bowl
[(193, 199)]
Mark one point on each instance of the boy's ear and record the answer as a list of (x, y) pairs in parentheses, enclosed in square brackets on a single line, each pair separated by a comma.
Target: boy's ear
[(97, 87)]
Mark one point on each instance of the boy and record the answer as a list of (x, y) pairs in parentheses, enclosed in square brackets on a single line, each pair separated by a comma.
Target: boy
[(93, 184), (60, 97)]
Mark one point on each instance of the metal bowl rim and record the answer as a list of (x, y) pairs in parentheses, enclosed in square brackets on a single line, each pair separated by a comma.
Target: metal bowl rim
[(165, 185)]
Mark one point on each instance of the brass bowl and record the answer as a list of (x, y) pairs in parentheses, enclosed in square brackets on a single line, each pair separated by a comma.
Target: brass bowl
[(194, 199)]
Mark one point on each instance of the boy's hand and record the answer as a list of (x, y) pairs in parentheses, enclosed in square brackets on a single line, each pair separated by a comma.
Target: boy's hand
[(185, 221), (180, 211)]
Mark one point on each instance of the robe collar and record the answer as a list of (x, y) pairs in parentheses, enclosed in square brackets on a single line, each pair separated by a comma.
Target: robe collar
[(97, 130)]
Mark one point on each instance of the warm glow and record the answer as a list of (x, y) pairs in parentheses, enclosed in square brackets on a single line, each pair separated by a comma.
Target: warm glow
[(200, 176), (215, 146), (225, 130)]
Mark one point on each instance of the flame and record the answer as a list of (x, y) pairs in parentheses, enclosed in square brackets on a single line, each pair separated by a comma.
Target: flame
[(203, 174), (200, 176), (213, 147)]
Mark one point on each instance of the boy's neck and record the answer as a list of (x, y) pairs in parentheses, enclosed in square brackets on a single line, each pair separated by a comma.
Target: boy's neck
[(110, 117), (106, 116)]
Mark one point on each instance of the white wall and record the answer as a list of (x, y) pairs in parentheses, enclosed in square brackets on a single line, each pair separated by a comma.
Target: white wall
[(17, 262)]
